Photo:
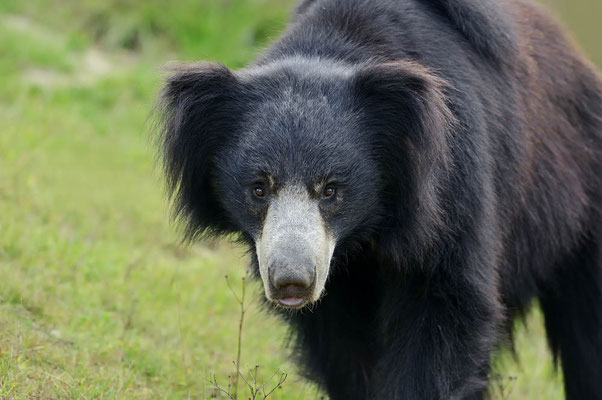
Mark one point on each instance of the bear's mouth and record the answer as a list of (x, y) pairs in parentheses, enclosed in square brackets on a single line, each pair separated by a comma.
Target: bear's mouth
[(291, 302), (291, 296)]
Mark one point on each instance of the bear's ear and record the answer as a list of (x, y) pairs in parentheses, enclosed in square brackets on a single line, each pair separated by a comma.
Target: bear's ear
[(404, 108), (404, 101), (197, 110)]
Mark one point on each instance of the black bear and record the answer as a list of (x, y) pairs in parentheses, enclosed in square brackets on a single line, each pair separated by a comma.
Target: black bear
[(409, 175)]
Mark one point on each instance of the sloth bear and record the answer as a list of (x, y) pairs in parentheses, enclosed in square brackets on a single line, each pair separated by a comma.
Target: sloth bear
[(408, 175)]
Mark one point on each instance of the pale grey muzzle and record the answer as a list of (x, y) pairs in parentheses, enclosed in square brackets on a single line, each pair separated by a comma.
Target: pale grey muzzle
[(294, 248)]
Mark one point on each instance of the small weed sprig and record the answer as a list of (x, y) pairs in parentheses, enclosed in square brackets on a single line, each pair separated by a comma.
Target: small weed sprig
[(502, 386), (257, 389)]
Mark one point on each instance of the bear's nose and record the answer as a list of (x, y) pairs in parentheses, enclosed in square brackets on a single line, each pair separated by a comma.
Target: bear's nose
[(286, 274), (291, 282)]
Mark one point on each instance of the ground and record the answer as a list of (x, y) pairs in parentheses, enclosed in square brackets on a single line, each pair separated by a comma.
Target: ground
[(97, 297)]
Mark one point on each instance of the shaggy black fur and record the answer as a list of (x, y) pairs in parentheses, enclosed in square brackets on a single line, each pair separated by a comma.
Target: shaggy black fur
[(466, 139)]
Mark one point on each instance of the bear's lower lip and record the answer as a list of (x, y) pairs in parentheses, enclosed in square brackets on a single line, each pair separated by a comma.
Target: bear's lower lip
[(290, 301)]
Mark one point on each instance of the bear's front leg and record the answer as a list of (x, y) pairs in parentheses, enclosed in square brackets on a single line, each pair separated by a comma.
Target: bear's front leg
[(439, 328)]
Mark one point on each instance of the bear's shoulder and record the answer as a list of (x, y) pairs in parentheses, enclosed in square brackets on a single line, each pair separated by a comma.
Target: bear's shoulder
[(486, 24)]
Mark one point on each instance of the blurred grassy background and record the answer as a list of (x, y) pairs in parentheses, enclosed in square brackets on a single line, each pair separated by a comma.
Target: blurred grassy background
[(97, 299)]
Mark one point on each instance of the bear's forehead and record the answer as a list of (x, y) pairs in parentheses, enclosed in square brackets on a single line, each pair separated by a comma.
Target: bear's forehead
[(293, 154), (291, 114), (300, 138), (294, 158)]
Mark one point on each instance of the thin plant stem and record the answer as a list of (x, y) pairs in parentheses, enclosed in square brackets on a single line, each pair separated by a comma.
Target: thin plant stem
[(241, 302)]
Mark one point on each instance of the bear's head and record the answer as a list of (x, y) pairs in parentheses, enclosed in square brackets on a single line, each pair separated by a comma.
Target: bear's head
[(306, 160)]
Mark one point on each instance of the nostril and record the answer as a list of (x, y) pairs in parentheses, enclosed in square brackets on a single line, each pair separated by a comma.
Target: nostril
[(285, 282), (292, 277)]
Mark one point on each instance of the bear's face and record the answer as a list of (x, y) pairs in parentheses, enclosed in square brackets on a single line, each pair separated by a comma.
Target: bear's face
[(297, 177), (305, 159)]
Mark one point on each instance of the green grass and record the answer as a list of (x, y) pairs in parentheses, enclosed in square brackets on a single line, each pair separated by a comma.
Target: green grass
[(97, 299)]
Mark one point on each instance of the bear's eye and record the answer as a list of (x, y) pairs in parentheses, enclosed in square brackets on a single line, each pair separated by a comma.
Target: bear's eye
[(329, 191), (259, 190)]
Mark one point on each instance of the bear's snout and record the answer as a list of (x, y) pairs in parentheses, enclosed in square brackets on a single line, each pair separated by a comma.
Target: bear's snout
[(294, 249)]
